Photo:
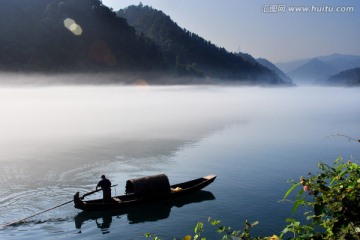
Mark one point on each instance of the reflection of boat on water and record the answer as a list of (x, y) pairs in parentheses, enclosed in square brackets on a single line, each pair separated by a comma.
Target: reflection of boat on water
[(145, 190), (144, 213)]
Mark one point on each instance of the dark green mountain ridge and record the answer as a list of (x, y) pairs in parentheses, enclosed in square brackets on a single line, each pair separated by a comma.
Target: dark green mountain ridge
[(188, 53), (33, 37), (85, 36)]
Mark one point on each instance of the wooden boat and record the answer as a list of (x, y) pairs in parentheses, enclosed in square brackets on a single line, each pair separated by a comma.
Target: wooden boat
[(145, 190)]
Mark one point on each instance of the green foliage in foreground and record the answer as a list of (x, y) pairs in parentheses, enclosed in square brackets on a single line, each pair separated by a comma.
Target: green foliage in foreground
[(334, 197)]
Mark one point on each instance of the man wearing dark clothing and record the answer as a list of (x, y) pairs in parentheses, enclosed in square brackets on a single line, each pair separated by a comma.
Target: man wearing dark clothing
[(105, 186)]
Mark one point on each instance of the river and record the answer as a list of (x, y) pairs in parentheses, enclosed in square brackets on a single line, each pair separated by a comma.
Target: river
[(57, 140)]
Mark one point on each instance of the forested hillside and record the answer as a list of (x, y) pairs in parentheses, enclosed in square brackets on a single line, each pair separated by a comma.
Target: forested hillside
[(189, 53), (77, 36), (70, 36)]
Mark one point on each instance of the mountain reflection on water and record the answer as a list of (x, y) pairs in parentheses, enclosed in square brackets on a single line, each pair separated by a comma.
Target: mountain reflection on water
[(138, 214)]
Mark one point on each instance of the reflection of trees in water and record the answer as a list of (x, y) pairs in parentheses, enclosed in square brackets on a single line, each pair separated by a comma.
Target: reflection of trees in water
[(138, 214)]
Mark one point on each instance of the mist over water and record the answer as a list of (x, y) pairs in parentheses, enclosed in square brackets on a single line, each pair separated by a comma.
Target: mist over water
[(58, 140)]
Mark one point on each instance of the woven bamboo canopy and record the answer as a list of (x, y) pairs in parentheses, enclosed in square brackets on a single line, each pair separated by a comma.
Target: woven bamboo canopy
[(148, 185)]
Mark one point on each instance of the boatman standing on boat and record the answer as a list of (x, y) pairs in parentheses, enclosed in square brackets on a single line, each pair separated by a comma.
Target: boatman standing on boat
[(105, 186)]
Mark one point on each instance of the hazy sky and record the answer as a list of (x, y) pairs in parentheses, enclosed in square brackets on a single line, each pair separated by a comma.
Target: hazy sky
[(267, 28)]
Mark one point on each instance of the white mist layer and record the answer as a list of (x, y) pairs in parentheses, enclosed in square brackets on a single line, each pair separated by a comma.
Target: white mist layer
[(60, 132)]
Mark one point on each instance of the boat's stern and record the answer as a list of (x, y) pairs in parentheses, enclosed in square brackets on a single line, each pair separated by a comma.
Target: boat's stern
[(78, 203)]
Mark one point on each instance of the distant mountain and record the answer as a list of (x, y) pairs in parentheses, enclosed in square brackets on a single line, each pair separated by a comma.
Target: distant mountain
[(266, 63), (341, 62), (287, 67), (346, 78), (70, 36), (190, 54), (314, 71), (318, 69)]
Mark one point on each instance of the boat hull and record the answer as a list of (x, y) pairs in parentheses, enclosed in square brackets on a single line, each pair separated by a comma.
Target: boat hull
[(124, 201)]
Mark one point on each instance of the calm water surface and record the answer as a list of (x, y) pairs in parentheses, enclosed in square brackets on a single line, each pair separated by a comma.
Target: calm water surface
[(59, 140)]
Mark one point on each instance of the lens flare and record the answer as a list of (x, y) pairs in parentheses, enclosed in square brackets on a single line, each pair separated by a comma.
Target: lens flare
[(141, 83), (100, 51), (73, 26)]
